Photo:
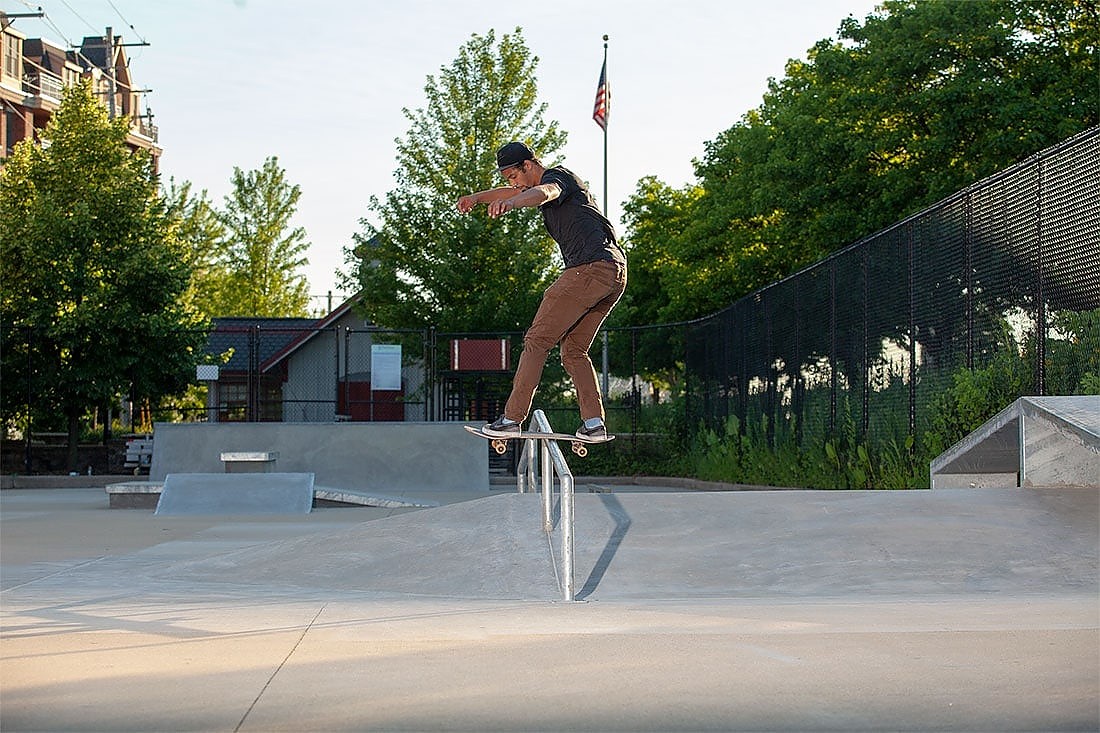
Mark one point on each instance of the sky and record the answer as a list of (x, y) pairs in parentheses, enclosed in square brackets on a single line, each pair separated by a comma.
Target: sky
[(322, 85)]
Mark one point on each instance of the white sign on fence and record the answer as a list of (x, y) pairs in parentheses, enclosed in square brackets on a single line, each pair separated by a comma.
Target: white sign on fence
[(385, 366)]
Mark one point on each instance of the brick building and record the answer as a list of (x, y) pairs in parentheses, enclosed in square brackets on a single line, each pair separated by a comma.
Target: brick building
[(34, 71)]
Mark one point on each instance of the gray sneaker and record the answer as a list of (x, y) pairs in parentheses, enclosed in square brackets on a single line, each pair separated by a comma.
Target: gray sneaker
[(597, 434), (502, 428)]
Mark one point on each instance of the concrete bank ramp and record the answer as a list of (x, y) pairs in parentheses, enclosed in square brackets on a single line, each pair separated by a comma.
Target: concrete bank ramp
[(823, 544), (236, 493), (1035, 441)]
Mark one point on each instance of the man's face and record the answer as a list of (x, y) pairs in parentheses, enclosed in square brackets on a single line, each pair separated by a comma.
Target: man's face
[(516, 175)]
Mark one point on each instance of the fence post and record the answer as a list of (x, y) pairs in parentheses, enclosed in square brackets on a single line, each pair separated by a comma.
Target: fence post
[(912, 286), (865, 366), (30, 397), (347, 370), (1041, 308), (336, 370), (253, 374), (635, 398), (968, 277), (832, 347), (428, 350), (771, 385)]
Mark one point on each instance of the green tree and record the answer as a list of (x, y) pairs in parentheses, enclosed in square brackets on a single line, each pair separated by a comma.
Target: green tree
[(255, 272), (91, 273), (916, 102), (202, 233), (655, 215), (424, 263)]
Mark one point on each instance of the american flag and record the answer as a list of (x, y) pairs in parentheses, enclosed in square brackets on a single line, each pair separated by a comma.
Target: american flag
[(602, 111)]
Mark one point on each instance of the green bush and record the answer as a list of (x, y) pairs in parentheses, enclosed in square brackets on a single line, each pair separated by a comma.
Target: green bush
[(976, 395), (1073, 360), (742, 454)]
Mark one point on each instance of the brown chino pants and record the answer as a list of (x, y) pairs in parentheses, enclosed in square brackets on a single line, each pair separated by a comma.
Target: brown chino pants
[(571, 312)]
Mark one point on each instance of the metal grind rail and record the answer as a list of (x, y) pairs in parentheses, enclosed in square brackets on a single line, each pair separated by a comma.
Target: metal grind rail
[(551, 461)]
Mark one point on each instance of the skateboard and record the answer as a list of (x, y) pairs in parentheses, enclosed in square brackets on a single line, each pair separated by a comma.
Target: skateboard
[(500, 445)]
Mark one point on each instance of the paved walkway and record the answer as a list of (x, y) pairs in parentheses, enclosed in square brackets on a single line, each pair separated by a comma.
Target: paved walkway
[(945, 610)]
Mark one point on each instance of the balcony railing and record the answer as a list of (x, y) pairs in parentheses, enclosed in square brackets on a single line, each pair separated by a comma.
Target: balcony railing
[(43, 84), (145, 129)]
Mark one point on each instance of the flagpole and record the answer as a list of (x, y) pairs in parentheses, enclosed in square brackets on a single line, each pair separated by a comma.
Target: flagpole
[(606, 201), (605, 375)]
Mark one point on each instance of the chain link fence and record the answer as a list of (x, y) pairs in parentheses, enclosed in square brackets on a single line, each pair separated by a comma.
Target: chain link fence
[(866, 339)]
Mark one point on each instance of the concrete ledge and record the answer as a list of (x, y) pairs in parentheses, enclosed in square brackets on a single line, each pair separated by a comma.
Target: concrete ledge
[(146, 494), (134, 501), (363, 457), (250, 461), (250, 456), (134, 494), (136, 487)]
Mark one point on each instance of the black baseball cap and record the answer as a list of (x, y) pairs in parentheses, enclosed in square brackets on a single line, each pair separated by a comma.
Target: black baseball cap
[(513, 154)]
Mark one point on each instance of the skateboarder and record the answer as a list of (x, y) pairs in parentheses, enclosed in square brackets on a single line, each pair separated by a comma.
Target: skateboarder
[(575, 305)]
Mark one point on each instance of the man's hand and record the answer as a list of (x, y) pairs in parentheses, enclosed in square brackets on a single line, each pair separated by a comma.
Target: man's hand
[(466, 203), (500, 208)]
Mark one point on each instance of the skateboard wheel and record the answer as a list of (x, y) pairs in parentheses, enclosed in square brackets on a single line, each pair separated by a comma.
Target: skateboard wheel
[(580, 449), (500, 447)]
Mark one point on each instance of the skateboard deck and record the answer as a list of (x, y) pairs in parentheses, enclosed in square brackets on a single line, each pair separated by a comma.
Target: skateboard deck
[(500, 445)]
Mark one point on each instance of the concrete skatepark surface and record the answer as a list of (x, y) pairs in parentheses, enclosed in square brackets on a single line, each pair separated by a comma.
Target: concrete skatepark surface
[(786, 610)]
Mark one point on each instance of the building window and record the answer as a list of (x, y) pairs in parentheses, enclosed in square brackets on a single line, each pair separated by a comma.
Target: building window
[(234, 402), (271, 401), (234, 399), (12, 56)]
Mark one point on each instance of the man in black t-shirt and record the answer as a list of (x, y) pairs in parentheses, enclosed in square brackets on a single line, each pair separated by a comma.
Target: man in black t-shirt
[(576, 304)]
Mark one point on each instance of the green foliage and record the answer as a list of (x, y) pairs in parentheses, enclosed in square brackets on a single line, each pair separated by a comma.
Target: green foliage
[(1090, 383), (656, 215), (647, 455), (1073, 360), (92, 271), (202, 234), (916, 102), (257, 262), (657, 449), (758, 452), (245, 258), (977, 395), (423, 262), (748, 454)]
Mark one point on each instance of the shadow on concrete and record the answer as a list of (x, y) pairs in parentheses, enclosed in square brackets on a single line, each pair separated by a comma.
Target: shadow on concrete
[(622, 526)]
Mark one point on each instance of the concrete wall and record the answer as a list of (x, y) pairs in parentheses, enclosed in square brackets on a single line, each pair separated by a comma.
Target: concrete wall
[(379, 457)]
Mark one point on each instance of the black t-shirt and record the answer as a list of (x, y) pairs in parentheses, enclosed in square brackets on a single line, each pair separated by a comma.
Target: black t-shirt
[(574, 221)]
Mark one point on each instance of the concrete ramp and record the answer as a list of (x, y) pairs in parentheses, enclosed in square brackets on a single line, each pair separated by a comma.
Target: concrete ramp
[(379, 458), (664, 546), (1035, 441), (236, 493)]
